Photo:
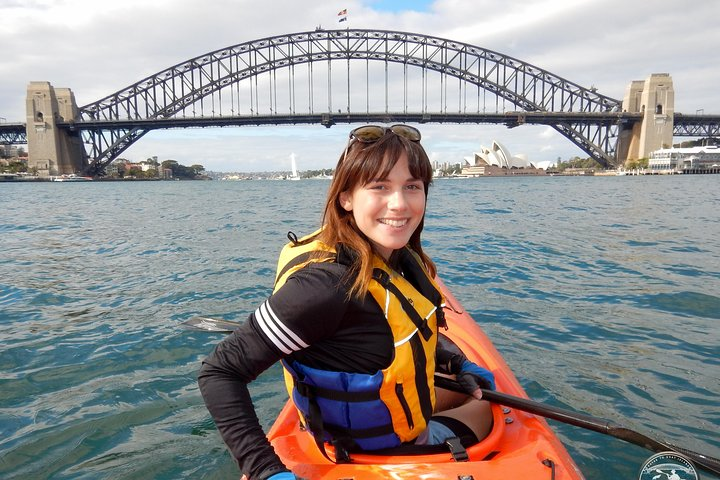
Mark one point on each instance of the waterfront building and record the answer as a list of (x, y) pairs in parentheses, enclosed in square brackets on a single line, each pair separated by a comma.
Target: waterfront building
[(685, 160), (498, 161)]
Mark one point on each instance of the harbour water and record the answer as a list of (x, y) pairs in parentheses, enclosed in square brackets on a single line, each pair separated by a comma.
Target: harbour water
[(603, 294)]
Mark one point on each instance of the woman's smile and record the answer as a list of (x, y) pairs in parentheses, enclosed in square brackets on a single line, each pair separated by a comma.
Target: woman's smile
[(394, 223)]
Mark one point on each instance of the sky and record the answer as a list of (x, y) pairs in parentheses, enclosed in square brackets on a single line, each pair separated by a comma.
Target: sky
[(96, 48)]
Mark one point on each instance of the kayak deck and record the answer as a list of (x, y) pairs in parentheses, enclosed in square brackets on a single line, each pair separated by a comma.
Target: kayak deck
[(520, 445)]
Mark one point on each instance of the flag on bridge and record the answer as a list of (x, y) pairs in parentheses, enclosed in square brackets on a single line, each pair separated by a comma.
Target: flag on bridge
[(343, 15)]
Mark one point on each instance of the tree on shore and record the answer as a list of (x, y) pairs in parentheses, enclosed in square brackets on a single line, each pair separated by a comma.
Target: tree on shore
[(181, 171), (325, 172), (149, 169), (14, 167), (452, 170), (637, 164), (577, 162)]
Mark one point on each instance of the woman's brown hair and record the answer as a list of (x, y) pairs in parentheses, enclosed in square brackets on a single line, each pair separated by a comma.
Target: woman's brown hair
[(362, 164)]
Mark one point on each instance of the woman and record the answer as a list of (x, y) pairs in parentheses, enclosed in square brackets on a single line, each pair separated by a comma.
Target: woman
[(354, 318)]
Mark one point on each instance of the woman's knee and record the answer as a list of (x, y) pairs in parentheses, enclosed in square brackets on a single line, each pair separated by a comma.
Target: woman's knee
[(476, 415)]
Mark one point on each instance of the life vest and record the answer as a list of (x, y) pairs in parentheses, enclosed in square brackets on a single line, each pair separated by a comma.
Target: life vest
[(392, 406)]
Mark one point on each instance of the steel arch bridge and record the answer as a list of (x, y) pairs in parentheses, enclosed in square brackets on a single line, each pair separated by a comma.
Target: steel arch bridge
[(306, 77)]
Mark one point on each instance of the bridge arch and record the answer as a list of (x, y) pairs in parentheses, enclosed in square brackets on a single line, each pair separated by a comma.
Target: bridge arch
[(178, 95)]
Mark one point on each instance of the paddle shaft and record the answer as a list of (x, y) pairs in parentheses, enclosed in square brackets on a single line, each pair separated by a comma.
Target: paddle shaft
[(581, 420), (585, 421)]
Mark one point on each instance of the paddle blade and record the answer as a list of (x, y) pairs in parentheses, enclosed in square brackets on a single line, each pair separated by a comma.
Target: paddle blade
[(207, 324)]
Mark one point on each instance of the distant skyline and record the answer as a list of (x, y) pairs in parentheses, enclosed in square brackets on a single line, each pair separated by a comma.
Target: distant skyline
[(97, 48)]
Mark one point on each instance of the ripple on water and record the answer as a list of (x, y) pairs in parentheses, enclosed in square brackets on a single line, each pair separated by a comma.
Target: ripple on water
[(689, 304)]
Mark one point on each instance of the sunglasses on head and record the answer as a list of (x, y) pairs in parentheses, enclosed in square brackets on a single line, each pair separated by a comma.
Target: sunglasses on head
[(373, 133)]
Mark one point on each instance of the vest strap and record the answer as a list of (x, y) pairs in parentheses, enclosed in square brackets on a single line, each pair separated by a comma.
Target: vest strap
[(360, 433), (312, 391), (317, 429), (421, 383), (383, 279), (300, 259)]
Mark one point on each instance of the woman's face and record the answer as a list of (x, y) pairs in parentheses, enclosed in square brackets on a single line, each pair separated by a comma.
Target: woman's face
[(388, 211)]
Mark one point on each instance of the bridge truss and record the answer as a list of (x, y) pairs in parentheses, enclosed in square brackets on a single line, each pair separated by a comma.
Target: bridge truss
[(696, 125), (345, 75), (12, 134)]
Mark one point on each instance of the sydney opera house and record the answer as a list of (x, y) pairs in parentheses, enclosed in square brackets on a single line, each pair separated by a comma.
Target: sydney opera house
[(497, 161)]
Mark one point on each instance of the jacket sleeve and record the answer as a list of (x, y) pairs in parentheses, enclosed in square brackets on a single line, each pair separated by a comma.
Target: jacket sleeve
[(304, 311), (223, 380)]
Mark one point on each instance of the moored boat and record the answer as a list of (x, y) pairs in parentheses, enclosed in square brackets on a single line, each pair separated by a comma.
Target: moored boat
[(520, 445), (71, 178)]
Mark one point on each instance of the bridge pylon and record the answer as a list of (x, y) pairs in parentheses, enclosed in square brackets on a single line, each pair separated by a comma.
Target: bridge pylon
[(52, 150), (654, 97)]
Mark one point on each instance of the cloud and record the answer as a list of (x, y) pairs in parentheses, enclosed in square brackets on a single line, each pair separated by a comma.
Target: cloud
[(96, 48), (547, 132)]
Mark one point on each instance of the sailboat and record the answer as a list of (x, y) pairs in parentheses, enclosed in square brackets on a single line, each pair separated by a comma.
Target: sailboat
[(294, 175)]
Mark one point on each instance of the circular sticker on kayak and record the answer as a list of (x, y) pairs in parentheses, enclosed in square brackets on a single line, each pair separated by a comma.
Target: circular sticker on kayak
[(668, 466)]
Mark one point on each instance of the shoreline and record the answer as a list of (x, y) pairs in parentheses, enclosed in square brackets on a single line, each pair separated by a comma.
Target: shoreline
[(15, 178)]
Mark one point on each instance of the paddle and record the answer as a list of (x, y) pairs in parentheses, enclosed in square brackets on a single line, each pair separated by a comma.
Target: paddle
[(582, 420), (207, 324), (589, 422)]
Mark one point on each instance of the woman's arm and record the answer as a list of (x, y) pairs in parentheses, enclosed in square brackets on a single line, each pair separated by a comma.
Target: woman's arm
[(223, 380), (306, 310)]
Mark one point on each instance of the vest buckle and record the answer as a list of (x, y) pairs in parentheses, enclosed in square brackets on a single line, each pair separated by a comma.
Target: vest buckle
[(458, 452), (341, 453)]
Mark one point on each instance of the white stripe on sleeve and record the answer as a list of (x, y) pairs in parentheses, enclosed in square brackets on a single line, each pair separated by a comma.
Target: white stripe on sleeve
[(276, 331)]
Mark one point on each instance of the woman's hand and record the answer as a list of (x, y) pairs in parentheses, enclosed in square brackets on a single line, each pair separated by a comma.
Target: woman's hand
[(473, 377)]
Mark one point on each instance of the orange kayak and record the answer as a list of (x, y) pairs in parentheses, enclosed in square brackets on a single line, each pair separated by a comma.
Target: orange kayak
[(520, 445)]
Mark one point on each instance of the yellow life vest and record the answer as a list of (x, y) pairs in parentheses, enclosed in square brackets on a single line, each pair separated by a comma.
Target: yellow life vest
[(404, 392)]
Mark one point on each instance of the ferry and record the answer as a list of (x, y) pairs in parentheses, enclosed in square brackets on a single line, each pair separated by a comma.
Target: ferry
[(71, 178)]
